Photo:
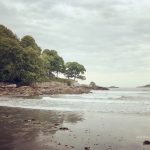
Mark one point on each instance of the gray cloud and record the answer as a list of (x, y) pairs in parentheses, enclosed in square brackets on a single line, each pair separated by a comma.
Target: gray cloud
[(110, 37)]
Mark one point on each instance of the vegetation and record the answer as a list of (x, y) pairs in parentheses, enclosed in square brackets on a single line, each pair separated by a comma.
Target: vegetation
[(75, 70), (28, 42), (53, 63), (92, 84), (23, 61)]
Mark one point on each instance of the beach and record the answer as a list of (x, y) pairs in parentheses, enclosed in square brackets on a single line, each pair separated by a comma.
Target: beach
[(75, 75), (22, 127)]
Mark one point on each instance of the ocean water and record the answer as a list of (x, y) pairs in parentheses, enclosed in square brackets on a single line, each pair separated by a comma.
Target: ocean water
[(120, 100)]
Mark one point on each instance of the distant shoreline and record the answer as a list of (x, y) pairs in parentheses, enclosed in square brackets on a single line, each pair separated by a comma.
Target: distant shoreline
[(145, 86)]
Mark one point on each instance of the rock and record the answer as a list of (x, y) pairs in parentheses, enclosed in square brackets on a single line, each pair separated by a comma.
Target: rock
[(29, 120), (87, 148), (100, 88), (53, 88), (56, 124), (146, 142), (7, 85), (63, 128), (11, 85), (113, 87)]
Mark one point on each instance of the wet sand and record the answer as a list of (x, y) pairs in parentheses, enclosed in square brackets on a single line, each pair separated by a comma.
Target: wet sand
[(22, 129)]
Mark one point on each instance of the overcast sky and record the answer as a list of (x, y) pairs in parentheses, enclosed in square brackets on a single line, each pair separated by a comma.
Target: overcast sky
[(111, 38)]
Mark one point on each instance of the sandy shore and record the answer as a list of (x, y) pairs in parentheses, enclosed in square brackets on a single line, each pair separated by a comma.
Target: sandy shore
[(22, 129)]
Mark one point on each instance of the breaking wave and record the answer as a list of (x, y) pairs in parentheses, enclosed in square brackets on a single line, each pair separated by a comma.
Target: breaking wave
[(113, 101)]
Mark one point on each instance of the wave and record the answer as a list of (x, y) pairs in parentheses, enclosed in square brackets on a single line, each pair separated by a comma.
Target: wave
[(99, 110), (110, 101), (98, 98), (50, 101)]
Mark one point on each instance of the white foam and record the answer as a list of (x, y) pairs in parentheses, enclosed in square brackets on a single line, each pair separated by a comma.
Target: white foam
[(101, 101)]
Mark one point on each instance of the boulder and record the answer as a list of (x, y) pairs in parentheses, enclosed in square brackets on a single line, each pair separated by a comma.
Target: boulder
[(146, 142)]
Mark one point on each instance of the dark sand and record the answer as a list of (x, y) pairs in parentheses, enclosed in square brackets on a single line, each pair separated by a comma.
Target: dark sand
[(25, 129)]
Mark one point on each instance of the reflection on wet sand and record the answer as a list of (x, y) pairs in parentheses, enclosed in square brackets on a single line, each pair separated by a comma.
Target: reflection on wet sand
[(23, 129)]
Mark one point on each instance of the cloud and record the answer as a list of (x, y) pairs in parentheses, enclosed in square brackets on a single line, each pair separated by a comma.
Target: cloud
[(107, 36)]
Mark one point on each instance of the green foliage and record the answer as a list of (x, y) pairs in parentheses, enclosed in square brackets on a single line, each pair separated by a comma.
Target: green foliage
[(10, 55), (53, 62), (6, 33), (92, 84), (22, 62), (32, 66), (75, 70), (17, 64), (28, 41)]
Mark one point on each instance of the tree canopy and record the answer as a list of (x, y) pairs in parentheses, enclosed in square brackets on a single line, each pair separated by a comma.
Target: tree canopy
[(28, 41), (23, 61), (18, 63), (7, 33), (75, 70), (53, 62), (92, 84), (10, 55)]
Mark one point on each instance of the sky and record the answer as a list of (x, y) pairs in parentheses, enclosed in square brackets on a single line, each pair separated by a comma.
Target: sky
[(111, 38)]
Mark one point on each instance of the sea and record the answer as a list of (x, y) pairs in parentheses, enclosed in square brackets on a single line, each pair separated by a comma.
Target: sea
[(117, 100)]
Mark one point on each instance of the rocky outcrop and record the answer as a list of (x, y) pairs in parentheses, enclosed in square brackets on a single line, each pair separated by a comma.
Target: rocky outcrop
[(146, 142), (112, 87), (7, 85), (46, 88), (19, 91), (54, 88), (93, 86), (99, 88)]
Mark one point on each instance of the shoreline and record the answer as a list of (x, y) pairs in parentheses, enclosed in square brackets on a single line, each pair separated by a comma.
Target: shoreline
[(48, 88), (37, 91), (59, 130)]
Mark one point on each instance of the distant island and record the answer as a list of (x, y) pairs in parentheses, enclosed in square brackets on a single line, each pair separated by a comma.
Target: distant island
[(145, 86), (113, 87)]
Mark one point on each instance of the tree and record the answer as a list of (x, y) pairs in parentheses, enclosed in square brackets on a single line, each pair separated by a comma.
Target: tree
[(53, 62), (18, 64), (58, 65), (7, 33), (10, 59), (28, 41), (92, 84), (32, 67), (10, 55), (22, 62), (75, 70)]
